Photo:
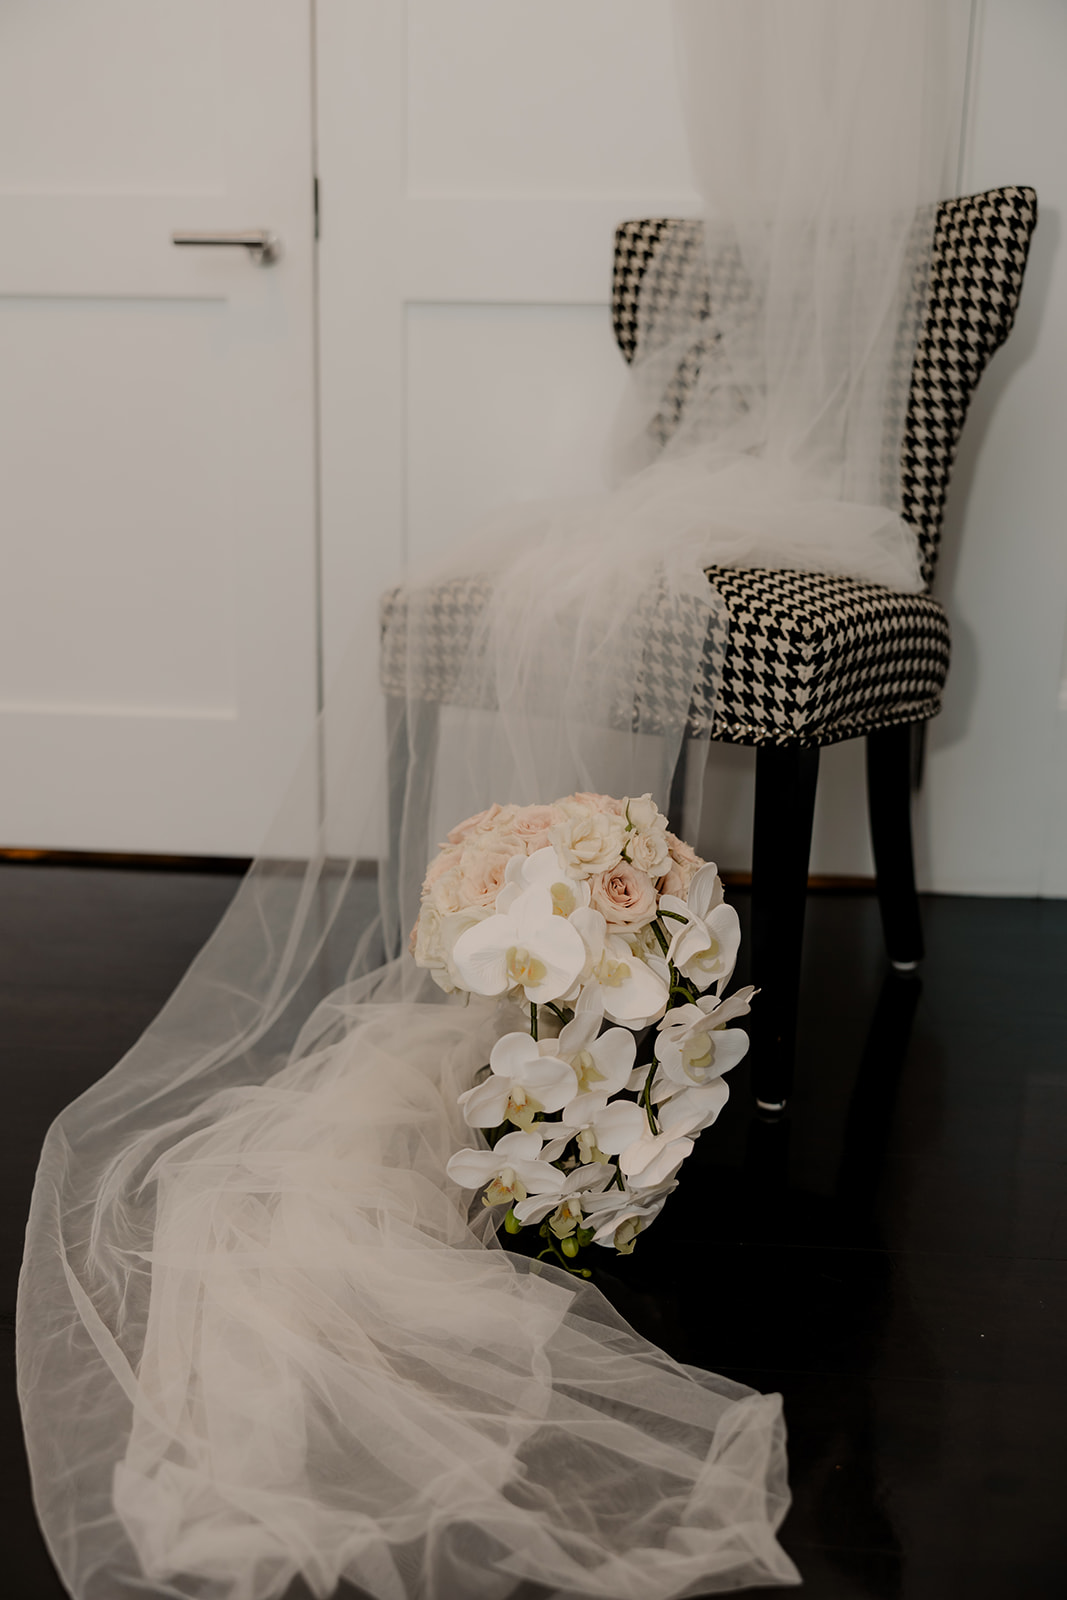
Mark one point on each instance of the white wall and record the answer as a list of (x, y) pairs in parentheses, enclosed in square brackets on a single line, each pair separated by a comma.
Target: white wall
[(994, 818), (475, 155)]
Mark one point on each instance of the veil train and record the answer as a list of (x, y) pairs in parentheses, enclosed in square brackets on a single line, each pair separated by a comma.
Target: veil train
[(261, 1337)]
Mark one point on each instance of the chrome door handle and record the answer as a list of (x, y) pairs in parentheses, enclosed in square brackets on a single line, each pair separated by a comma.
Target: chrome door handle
[(264, 247)]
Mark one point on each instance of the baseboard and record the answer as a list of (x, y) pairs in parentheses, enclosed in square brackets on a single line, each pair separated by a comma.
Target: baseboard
[(125, 860), (132, 861), (818, 882)]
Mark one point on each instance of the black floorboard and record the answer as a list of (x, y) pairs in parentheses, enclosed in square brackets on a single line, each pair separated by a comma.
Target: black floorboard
[(892, 1256)]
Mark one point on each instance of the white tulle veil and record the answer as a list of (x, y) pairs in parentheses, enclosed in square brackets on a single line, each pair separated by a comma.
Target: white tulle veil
[(259, 1337)]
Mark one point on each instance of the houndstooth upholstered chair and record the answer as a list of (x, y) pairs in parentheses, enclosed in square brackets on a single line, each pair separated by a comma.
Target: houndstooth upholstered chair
[(812, 659)]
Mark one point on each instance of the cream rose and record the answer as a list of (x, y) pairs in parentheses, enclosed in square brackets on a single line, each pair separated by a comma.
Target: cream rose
[(648, 853), (446, 976), (588, 841), (446, 892), (425, 943), (624, 896), (643, 812)]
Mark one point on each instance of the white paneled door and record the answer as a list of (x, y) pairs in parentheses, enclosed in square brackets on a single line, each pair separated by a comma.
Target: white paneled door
[(476, 157), (157, 446)]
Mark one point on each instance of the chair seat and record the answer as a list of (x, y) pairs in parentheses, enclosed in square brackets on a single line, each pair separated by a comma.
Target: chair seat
[(814, 659), (811, 659)]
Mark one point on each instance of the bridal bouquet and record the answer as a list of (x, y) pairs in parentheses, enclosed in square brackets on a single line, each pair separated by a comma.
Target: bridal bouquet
[(616, 936)]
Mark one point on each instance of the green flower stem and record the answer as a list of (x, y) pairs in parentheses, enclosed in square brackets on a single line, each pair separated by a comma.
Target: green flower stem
[(660, 932), (553, 1252), (533, 1019), (646, 1099)]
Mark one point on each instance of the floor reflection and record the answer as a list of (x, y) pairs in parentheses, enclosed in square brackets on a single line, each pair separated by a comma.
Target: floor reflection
[(891, 1256)]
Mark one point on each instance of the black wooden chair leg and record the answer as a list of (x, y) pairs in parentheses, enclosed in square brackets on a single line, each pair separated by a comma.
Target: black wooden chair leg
[(786, 778), (889, 769)]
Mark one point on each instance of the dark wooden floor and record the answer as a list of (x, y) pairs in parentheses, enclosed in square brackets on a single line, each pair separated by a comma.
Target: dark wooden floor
[(893, 1257)]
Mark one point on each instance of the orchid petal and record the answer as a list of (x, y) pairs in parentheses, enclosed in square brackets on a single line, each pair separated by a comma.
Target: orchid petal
[(705, 890), (535, 1208), (538, 1177), (472, 1168), (518, 1147), (579, 1032), (485, 1106), (513, 1053), (614, 1054), (696, 1108), (619, 1126), (662, 1165)]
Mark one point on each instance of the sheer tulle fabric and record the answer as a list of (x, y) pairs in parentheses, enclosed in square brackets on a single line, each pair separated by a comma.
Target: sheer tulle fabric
[(339, 1378), (259, 1336)]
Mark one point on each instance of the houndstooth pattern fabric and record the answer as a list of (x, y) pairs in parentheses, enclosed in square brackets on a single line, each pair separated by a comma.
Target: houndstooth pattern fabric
[(809, 659), (976, 274), (663, 283), (448, 618), (814, 659), (444, 667)]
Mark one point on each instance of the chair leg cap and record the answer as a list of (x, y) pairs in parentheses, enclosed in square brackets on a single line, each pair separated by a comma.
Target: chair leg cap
[(904, 966)]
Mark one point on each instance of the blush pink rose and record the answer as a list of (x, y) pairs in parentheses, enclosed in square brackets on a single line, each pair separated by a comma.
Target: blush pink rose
[(683, 863), (683, 853), (439, 866), (527, 830), (600, 802), (625, 897), (676, 879), (482, 875), (482, 822)]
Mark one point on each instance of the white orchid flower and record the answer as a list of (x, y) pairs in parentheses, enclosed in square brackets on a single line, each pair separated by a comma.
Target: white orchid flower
[(580, 1123), (543, 870), (618, 1216), (525, 1079), (705, 890), (602, 1067), (582, 1182), (512, 1170), (648, 1159), (601, 1062), (527, 946), (645, 1158), (623, 1226), (647, 948), (703, 949), (694, 1046), (630, 992)]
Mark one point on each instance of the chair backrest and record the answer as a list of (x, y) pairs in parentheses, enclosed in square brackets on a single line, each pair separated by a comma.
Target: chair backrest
[(981, 242)]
